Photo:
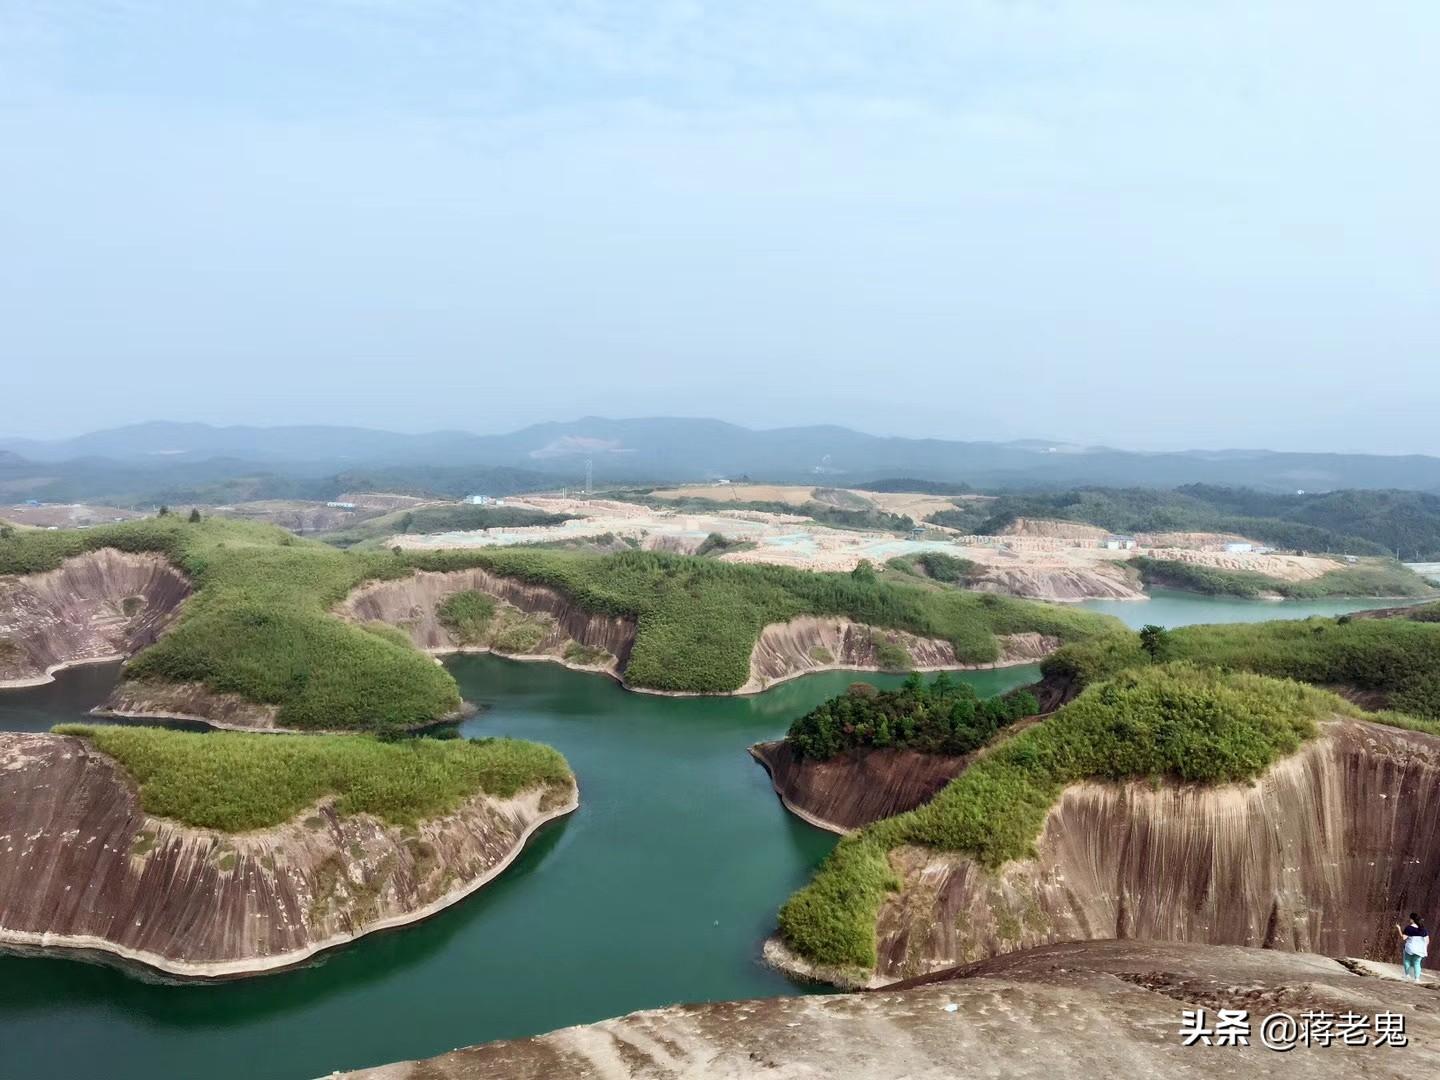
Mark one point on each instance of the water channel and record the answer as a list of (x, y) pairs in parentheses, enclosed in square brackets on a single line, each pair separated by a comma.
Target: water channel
[(658, 890)]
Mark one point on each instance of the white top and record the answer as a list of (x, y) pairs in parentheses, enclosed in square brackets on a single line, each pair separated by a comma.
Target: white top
[(1417, 944)]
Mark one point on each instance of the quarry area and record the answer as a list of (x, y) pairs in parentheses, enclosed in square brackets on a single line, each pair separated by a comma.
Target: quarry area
[(1038, 559)]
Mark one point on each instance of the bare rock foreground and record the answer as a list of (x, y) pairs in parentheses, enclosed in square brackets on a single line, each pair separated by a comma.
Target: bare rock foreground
[(1102, 1010), (84, 870)]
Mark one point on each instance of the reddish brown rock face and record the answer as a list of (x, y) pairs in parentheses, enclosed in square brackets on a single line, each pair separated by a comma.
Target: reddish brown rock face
[(783, 650), (1322, 854), (101, 605), (857, 787), (82, 867), (412, 604)]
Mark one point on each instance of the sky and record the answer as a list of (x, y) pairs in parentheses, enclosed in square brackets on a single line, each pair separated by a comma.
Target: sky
[(1146, 224)]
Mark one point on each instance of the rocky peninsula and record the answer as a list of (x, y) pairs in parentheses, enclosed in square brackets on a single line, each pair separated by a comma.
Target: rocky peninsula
[(85, 870)]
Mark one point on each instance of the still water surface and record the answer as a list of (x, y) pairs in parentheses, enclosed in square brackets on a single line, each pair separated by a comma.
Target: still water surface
[(659, 889), (1170, 607)]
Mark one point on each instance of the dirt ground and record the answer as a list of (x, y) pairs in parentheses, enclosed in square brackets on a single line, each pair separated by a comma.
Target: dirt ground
[(1038, 563), (297, 515), (791, 495), (918, 506), (1285, 567), (65, 515), (1060, 530)]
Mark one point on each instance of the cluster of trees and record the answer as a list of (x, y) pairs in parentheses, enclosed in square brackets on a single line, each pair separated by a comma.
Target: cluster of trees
[(1365, 580), (698, 619), (1405, 524), (910, 484), (948, 568), (718, 544), (841, 517), (1396, 658), (462, 517), (944, 716), (1172, 720), (259, 623)]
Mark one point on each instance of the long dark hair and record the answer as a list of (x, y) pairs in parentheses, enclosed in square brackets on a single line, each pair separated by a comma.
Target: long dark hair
[(1417, 920)]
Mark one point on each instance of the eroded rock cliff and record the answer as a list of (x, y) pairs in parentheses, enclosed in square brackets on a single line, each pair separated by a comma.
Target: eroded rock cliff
[(567, 633), (102, 605), (413, 603), (856, 787), (1087, 1010), (808, 644), (1319, 855), (83, 869)]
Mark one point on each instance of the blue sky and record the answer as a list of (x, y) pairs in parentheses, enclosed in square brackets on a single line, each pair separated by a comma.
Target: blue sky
[(1144, 223)]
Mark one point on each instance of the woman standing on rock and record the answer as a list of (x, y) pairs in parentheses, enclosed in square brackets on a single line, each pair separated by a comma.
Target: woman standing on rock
[(1417, 944)]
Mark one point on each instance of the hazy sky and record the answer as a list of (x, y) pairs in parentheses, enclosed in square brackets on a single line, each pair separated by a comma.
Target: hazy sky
[(1141, 223)]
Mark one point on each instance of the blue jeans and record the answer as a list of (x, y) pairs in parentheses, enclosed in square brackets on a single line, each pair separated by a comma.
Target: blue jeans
[(1412, 966)]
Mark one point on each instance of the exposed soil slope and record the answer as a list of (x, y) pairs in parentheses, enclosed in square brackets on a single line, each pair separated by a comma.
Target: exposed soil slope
[(1100, 580), (1056, 529), (1088, 1010), (1280, 566), (84, 869), (808, 644), (412, 603), (1318, 856), (856, 787), (101, 605)]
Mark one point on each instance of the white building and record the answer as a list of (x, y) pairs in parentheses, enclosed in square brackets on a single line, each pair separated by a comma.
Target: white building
[(479, 500), (1238, 548)]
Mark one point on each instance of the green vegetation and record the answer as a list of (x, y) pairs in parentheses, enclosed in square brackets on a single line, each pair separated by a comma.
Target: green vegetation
[(259, 622), (235, 782), (1371, 578), (848, 516), (461, 517), (716, 544), (1177, 721), (922, 487), (892, 656), (466, 616), (585, 656), (943, 717), (697, 620), (936, 565), (1397, 657), (1402, 524), (1421, 613), (517, 632)]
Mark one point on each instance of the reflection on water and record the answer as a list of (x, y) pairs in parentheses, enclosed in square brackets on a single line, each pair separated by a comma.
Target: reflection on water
[(1168, 607), (659, 889)]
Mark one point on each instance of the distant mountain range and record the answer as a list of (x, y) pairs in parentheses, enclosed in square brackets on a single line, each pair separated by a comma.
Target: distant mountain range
[(655, 450)]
